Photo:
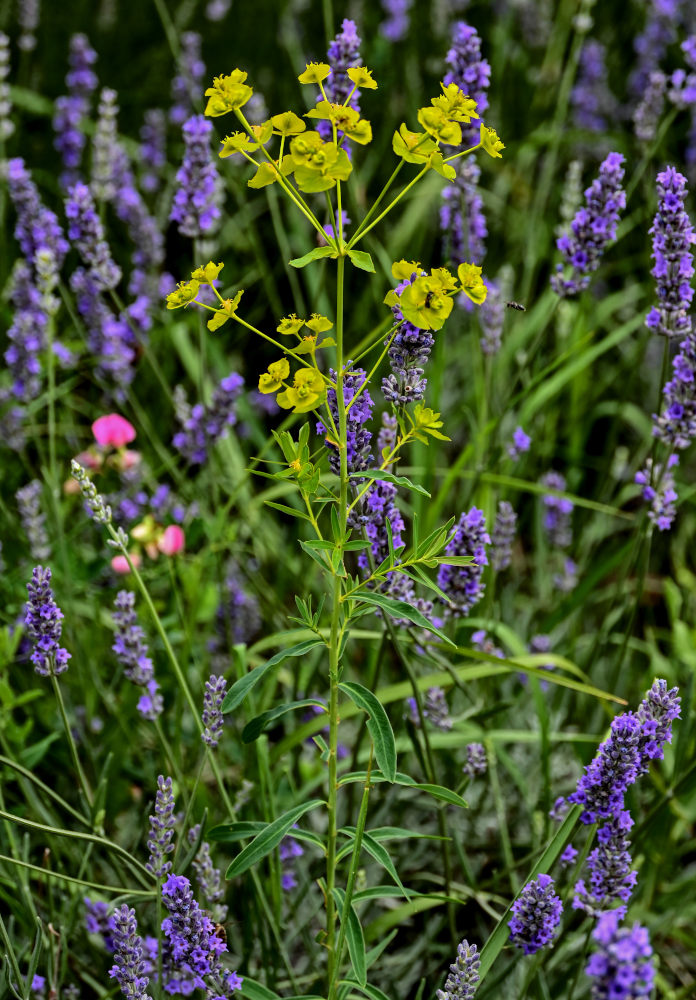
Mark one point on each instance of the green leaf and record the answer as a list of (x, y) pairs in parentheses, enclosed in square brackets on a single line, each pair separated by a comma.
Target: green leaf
[(354, 936), (388, 477), (362, 260), (400, 609), (241, 688), (229, 833), (375, 850), (315, 254), (370, 991), (436, 791), (378, 726), (269, 838), (286, 510), (253, 729), (255, 991)]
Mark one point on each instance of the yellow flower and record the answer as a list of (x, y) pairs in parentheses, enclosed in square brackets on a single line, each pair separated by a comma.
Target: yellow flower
[(325, 167), (262, 132), (305, 147), (227, 93), (344, 118), (288, 123), (414, 147), (266, 173), (272, 380), (425, 304), (455, 104), (437, 162), (227, 309), (436, 122), (362, 76), (238, 142), (307, 392), (207, 273), (319, 323), (185, 293), (290, 324), (490, 142), (315, 73), (403, 269), (472, 283)]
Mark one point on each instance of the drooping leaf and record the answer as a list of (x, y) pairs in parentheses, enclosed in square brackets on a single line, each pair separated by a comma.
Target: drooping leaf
[(241, 688), (400, 609), (388, 477), (317, 254), (378, 726), (269, 838), (362, 260), (253, 729), (354, 936)]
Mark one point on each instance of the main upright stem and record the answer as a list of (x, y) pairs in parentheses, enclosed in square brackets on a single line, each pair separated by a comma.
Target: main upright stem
[(334, 647)]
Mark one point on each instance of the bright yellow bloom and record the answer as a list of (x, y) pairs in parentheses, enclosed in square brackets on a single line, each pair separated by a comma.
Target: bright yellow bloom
[(403, 269), (455, 104), (436, 122), (288, 123), (308, 391), (414, 147), (472, 283), (185, 293), (227, 309), (490, 142), (315, 73), (425, 304), (207, 273), (267, 173), (437, 162), (290, 324), (362, 76), (237, 142), (227, 93), (319, 323)]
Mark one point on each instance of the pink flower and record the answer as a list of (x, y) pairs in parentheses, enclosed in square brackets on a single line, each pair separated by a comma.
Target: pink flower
[(113, 430), (172, 540), (119, 564)]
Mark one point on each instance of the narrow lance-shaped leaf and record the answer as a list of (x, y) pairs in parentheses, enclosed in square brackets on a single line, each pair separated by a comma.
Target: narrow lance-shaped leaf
[(269, 838), (378, 726)]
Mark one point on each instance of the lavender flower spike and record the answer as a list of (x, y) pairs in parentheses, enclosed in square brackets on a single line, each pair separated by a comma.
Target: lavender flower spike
[(196, 206), (43, 621), (558, 510), (476, 760), (462, 584), (129, 641), (159, 842), (215, 689), (536, 915), (87, 233), (463, 975), (673, 236), (408, 354), (344, 52), (128, 965), (33, 520), (209, 878), (593, 227), (73, 108), (6, 123), (621, 966), (503, 536)]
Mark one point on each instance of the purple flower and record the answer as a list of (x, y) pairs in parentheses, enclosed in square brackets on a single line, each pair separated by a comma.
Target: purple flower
[(463, 584), (43, 620), (108, 158), (620, 968), (397, 22), (673, 236), (593, 227), (676, 423), (288, 852), (491, 317), (657, 711), (215, 689), (462, 221), (570, 853), (502, 536), (159, 842), (659, 491), (238, 616), (476, 760), (520, 443), (33, 520), (408, 354), (358, 437), (202, 425), (648, 113), (662, 20), (26, 335), (128, 965), (481, 640), (559, 809), (98, 921), (609, 867), (594, 106), (37, 227), (6, 124), (73, 108), (470, 72), (435, 709), (344, 52), (463, 975), (209, 878), (187, 85), (110, 338), (153, 138), (130, 648), (87, 233), (196, 206), (536, 915), (38, 984), (378, 507), (558, 510)]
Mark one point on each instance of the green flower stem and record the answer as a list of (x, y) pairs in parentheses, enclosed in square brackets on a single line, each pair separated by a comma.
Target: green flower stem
[(339, 217), (464, 152), (335, 642), (120, 890), (353, 870), (140, 868), (281, 347), (374, 368), (84, 785), (12, 960), (358, 236), (51, 373), (376, 203), (169, 754)]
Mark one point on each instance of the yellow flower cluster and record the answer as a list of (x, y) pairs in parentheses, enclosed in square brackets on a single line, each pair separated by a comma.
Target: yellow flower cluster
[(307, 392), (427, 301), (186, 292)]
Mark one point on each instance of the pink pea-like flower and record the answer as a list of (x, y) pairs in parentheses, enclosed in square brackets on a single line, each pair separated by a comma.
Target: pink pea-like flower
[(112, 430), (172, 540), (119, 564)]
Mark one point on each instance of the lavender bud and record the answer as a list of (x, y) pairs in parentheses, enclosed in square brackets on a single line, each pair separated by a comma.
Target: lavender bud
[(536, 915), (209, 878), (128, 965), (463, 975), (99, 511), (106, 153), (159, 842), (6, 124), (621, 966), (196, 206), (33, 520), (87, 233), (503, 536), (673, 236), (43, 620), (476, 760), (463, 584), (215, 689), (558, 510), (648, 113)]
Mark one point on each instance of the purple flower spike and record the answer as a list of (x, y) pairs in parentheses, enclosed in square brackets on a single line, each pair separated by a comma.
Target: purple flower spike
[(187, 85), (43, 620), (476, 760), (215, 689), (620, 969), (37, 227), (87, 233), (609, 867), (203, 425), (129, 964), (503, 536), (463, 584), (398, 20), (130, 648), (593, 227), (558, 511), (344, 52), (408, 354), (470, 72), (358, 454), (673, 235), (159, 843), (536, 915), (73, 108), (197, 199), (463, 975)]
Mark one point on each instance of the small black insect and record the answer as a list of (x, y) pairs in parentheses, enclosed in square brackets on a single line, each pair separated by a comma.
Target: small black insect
[(428, 299), (517, 306)]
